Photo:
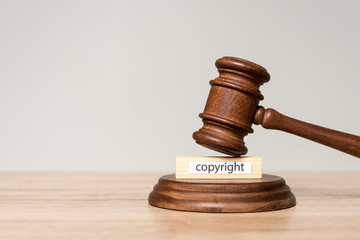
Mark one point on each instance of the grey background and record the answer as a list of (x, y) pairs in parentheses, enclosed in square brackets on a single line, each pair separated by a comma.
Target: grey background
[(118, 85)]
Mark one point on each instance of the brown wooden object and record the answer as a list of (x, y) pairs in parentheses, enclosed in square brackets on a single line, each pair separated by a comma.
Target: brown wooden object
[(232, 108), (209, 195)]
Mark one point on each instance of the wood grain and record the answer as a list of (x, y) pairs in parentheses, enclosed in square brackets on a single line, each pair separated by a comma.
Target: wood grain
[(232, 108), (268, 193), (114, 206), (272, 119)]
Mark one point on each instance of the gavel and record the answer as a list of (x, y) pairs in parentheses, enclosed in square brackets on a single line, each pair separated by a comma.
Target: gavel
[(232, 107)]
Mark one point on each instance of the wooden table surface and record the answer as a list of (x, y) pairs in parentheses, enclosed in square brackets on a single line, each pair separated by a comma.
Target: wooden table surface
[(114, 206)]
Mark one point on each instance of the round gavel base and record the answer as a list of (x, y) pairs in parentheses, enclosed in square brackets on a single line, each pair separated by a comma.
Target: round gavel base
[(223, 196)]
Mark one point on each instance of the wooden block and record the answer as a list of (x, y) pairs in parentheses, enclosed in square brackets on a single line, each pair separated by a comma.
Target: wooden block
[(218, 167)]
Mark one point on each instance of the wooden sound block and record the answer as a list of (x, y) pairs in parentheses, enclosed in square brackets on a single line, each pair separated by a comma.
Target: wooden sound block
[(214, 195)]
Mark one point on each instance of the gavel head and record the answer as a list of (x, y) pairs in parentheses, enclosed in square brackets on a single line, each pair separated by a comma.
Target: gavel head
[(231, 106)]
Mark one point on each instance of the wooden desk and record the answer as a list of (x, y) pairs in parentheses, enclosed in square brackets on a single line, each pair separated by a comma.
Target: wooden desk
[(114, 206)]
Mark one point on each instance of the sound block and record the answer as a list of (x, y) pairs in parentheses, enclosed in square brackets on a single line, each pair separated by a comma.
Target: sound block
[(222, 196)]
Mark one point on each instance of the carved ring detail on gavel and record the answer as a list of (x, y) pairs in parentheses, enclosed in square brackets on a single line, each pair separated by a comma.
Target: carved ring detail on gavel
[(232, 108)]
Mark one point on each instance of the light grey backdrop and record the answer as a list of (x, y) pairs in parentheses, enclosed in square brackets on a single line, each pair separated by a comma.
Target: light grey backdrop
[(118, 85)]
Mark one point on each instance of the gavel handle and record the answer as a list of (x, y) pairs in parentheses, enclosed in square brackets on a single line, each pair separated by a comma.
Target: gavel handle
[(271, 119)]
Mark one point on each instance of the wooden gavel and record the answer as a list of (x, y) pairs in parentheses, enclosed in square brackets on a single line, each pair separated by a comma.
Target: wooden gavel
[(232, 107)]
